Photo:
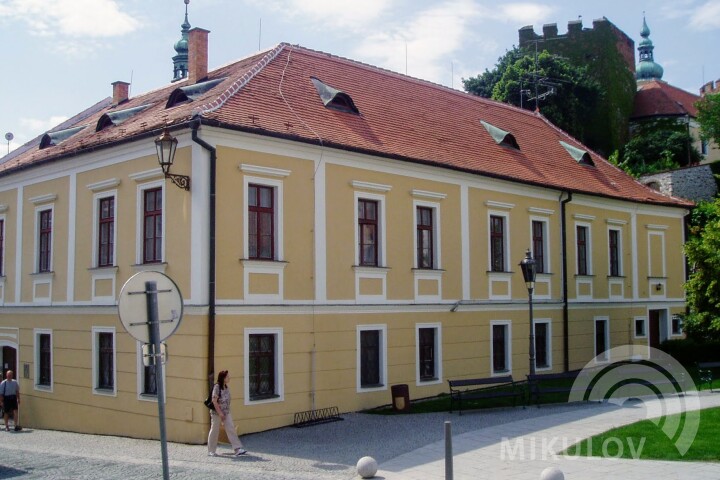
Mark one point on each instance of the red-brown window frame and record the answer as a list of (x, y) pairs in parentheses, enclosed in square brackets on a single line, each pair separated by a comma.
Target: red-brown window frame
[(614, 252), (106, 232), (44, 240), (425, 261), (365, 223), (152, 242), (497, 243), (581, 240), (538, 239), (255, 229)]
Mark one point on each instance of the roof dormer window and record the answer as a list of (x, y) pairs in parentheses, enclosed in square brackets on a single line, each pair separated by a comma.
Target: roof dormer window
[(50, 139), (501, 137), (118, 117), (580, 156), (334, 98), (191, 92)]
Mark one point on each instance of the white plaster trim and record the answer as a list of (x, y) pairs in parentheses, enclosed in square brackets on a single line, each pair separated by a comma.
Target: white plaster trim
[(372, 273), (103, 185), (540, 211), (422, 274), (320, 232), (499, 277), (583, 281), (656, 227), (465, 240), (72, 232), (615, 221), (268, 171), (582, 216), (152, 174), (3, 208), (50, 197), (503, 205), (19, 245), (263, 267), (375, 187), (428, 195), (616, 281), (111, 274)]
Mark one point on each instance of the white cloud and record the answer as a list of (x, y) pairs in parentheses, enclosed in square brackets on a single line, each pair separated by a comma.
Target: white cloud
[(72, 18), (520, 13), (706, 16), (37, 126)]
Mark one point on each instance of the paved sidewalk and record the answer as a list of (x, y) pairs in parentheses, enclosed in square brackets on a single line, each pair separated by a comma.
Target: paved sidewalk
[(523, 449)]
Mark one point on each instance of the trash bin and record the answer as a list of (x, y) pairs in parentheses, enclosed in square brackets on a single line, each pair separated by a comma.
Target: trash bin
[(400, 397)]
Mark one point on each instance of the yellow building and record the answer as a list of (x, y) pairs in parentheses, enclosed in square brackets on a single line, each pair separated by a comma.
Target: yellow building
[(345, 229)]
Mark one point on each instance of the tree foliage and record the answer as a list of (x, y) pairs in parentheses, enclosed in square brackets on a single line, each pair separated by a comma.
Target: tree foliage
[(703, 287), (570, 107), (709, 117), (657, 147)]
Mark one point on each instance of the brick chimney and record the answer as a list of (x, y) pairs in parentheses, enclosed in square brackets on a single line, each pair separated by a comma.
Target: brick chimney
[(120, 92), (197, 54)]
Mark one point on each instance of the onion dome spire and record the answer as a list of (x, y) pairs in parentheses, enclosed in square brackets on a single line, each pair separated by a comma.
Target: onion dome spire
[(180, 61), (647, 69)]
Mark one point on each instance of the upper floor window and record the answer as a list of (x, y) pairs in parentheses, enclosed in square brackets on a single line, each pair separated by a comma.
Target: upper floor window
[(106, 232), (497, 243), (425, 234), (614, 252), (538, 242), (45, 241), (368, 232), (261, 222), (153, 225), (582, 249)]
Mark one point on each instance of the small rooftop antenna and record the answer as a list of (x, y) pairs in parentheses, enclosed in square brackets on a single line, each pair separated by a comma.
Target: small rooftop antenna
[(9, 136)]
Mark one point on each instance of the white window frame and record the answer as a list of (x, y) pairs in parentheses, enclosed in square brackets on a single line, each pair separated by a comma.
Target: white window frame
[(508, 348), (435, 207), (141, 377), (506, 240), (549, 347), (278, 231), (589, 255), (51, 266), (96, 220), (645, 327), (607, 339), (546, 241), (383, 357), (438, 354), (673, 332), (621, 267), (382, 260), (140, 222), (279, 365), (95, 362), (36, 335)]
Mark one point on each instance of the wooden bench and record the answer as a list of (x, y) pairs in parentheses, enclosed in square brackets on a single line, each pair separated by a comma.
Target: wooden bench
[(479, 388), (705, 373), (538, 384)]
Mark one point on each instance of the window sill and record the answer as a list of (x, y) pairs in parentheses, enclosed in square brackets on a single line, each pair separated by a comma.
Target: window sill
[(428, 270), (255, 262), (494, 272), (261, 398), (150, 267), (372, 386), (370, 269), (616, 276), (657, 278), (44, 388), (108, 268), (107, 392), (43, 275), (577, 275), (429, 380)]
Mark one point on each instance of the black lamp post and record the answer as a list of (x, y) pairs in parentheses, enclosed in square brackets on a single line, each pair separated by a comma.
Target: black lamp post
[(166, 145), (528, 270)]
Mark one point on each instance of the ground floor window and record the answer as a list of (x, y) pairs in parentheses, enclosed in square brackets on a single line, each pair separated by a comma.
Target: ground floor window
[(500, 347), (371, 356), (602, 339), (542, 344), (264, 365), (428, 353), (640, 327), (43, 358), (104, 365)]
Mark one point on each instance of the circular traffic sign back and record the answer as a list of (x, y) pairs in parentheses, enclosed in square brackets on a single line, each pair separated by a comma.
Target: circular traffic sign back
[(132, 305)]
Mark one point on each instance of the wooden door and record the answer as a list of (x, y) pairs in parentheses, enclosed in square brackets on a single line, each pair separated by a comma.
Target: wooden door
[(9, 360)]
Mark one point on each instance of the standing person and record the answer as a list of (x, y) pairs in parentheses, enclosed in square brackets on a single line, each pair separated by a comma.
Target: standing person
[(221, 414), (10, 399)]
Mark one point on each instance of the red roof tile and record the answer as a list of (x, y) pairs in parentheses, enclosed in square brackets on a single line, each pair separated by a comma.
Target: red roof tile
[(656, 98), (400, 117)]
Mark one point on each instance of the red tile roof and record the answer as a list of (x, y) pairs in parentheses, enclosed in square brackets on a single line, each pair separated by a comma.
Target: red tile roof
[(656, 98), (271, 93)]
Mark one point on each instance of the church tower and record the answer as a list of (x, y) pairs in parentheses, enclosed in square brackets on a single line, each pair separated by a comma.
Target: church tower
[(180, 61), (647, 69)]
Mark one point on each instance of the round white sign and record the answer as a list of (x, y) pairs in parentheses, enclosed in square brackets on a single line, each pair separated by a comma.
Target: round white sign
[(132, 305)]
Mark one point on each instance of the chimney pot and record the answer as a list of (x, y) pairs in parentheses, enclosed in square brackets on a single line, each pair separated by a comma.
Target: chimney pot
[(197, 54), (120, 92)]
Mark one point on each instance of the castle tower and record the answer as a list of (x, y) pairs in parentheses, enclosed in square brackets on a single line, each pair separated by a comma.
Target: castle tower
[(180, 61), (647, 69)]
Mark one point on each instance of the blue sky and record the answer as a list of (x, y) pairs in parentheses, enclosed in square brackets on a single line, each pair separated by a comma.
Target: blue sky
[(60, 56)]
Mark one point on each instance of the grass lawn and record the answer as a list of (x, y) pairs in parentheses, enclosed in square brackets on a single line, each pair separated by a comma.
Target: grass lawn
[(645, 440)]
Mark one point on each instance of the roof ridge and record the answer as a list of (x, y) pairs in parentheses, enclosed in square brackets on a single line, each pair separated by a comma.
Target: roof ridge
[(239, 83)]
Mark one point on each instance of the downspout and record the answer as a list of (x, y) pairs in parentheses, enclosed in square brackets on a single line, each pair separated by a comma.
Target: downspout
[(566, 319), (211, 247)]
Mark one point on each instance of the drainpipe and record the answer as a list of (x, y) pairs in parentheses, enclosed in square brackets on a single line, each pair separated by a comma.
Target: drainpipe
[(566, 319), (211, 253)]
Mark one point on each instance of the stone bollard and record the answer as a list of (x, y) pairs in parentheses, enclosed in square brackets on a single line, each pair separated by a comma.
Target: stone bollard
[(367, 467), (552, 473)]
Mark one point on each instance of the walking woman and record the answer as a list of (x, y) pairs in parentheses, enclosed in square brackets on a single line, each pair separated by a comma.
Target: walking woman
[(222, 415)]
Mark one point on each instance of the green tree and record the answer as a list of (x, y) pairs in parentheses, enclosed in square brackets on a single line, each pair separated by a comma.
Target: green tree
[(703, 287), (576, 95), (656, 147), (709, 117)]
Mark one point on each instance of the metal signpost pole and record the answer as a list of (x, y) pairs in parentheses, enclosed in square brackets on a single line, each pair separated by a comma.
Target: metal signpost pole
[(154, 331)]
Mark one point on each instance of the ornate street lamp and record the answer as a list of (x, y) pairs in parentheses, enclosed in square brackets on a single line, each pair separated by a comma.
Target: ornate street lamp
[(528, 270), (166, 145)]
